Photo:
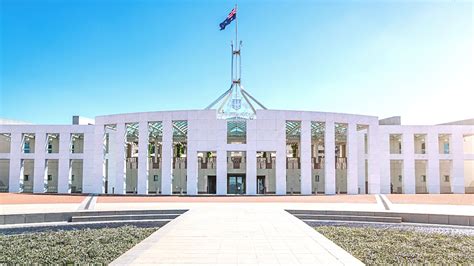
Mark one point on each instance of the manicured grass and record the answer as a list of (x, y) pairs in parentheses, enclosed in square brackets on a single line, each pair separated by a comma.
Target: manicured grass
[(97, 246), (395, 246)]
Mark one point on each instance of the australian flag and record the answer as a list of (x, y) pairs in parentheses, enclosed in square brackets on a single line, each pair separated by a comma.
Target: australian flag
[(232, 15)]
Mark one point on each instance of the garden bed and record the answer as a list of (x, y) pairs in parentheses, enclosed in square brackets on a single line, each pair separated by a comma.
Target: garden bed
[(395, 246), (97, 246)]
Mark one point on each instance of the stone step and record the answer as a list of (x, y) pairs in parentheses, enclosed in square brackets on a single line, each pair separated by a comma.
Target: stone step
[(128, 212), (380, 219), (130, 217)]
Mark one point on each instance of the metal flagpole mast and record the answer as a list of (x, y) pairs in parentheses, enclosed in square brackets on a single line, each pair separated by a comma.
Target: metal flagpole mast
[(236, 25), (237, 52)]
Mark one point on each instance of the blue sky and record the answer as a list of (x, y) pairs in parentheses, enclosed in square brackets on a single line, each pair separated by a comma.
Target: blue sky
[(83, 57)]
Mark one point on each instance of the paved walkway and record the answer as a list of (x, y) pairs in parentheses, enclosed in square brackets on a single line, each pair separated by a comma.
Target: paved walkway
[(237, 234)]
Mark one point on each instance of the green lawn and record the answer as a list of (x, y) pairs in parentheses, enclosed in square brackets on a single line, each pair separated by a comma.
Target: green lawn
[(395, 246), (98, 246)]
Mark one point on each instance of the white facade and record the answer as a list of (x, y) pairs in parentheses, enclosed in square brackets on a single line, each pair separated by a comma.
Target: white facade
[(279, 152)]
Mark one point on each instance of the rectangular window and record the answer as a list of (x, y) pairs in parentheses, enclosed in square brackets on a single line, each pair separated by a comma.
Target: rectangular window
[(423, 178), (52, 140), (77, 143), (50, 178), (443, 143), (446, 178), (446, 148), (399, 178), (155, 177), (26, 147), (317, 178), (395, 143), (420, 143), (26, 177), (72, 177), (236, 131)]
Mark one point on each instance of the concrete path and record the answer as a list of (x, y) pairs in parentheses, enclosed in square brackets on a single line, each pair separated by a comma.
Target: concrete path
[(237, 234)]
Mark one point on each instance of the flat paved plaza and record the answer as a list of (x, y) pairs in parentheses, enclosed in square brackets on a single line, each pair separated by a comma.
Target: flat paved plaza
[(237, 234), (235, 229)]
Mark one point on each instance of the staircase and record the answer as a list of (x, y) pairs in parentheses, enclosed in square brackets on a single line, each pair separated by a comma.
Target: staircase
[(316, 215), (122, 216)]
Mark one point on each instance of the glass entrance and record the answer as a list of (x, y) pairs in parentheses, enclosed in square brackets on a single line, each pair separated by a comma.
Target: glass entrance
[(236, 184), (260, 184), (211, 184)]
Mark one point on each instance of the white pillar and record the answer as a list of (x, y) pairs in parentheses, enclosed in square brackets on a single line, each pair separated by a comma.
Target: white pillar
[(15, 163), (167, 159), (93, 163), (64, 179), (433, 178), (280, 167), (142, 178), (251, 158), (329, 159), (361, 160), (352, 160), (221, 172), (306, 184), (384, 159), (408, 150), (251, 176), (457, 180), (373, 159), (192, 171), (40, 170), (119, 155)]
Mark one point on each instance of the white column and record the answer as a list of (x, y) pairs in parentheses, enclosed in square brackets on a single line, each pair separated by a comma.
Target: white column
[(373, 159), (112, 165), (15, 163), (251, 160), (433, 179), (93, 163), (119, 155), (221, 172), (64, 179), (192, 170), (384, 159), (329, 159), (457, 180), (280, 167), (361, 160), (408, 150), (167, 159), (251, 176), (352, 160), (142, 178), (40, 170), (306, 185)]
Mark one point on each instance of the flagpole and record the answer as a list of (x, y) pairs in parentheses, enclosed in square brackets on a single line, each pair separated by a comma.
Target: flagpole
[(236, 25), (237, 48)]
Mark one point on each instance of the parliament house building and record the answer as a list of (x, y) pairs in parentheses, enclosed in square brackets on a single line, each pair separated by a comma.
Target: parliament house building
[(237, 149)]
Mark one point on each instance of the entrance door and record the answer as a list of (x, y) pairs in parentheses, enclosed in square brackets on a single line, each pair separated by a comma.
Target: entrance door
[(235, 184), (261, 184), (211, 184)]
